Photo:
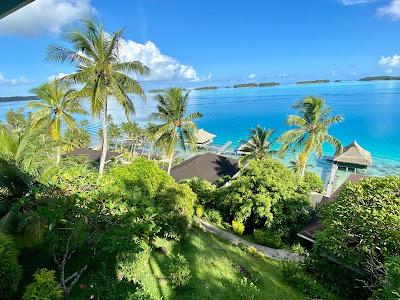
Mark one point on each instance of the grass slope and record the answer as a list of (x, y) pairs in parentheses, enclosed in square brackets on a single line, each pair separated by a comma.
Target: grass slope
[(216, 271)]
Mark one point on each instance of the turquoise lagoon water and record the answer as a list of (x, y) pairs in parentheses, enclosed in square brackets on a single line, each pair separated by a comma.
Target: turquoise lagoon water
[(371, 111)]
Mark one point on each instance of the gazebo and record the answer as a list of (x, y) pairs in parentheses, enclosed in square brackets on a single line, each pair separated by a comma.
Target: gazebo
[(353, 157), (203, 138)]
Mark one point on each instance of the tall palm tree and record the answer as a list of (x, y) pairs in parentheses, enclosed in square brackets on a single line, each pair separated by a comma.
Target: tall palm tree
[(311, 130), (175, 125), (56, 105), (100, 71), (259, 144)]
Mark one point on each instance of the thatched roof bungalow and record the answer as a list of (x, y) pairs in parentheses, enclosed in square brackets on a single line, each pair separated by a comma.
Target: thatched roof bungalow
[(204, 138), (353, 156)]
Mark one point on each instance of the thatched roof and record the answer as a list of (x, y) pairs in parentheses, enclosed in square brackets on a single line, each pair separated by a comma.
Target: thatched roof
[(203, 136), (353, 154), (93, 155), (208, 166)]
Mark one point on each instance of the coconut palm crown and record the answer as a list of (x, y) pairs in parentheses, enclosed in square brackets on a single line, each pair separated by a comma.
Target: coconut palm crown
[(312, 123), (100, 71), (258, 146), (175, 125)]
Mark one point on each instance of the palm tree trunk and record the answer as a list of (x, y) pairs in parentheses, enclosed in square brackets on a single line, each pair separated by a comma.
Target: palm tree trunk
[(105, 142), (170, 162), (58, 155), (150, 151)]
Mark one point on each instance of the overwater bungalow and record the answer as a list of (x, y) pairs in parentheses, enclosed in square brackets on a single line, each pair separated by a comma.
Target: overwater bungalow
[(94, 155), (204, 138), (353, 157)]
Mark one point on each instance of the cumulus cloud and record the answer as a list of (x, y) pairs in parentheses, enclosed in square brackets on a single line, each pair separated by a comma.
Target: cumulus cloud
[(392, 10), (163, 67), (282, 75), (58, 76), (333, 72), (390, 63), (43, 16), (252, 76), (14, 81), (355, 2)]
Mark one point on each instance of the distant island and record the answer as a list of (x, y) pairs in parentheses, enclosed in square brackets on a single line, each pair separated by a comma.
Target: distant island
[(245, 85), (373, 78), (313, 81), (18, 98), (266, 84), (206, 88), (157, 91)]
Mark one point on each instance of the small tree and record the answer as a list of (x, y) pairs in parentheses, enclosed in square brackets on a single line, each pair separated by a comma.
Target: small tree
[(43, 287), (10, 270)]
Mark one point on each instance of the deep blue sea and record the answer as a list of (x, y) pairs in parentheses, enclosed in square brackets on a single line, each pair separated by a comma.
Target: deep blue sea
[(371, 111)]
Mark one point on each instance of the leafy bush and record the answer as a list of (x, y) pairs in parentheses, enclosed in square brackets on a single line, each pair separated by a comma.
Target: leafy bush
[(313, 182), (296, 275), (361, 220), (10, 270), (204, 190), (390, 289), (246, 289), (252, 250), (43, 287), (267, 194), (213, 216), (266, 238), (299, 249), (199, 211), (237, 227), (179, 272)]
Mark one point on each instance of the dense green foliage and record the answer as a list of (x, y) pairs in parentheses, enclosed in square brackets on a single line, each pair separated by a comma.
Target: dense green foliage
[(267, 238), (296, 275), (43, 287), (10, 270), (237, 227), (390, 283), (364, 220), (179, 272), (261, 199), (314, 182)]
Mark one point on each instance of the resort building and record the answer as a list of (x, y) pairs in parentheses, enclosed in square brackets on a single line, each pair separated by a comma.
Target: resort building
[(204, 138), (208, 166), (353, 157), (94, 155)]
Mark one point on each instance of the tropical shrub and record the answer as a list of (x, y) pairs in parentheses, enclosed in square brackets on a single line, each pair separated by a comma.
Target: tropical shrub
[(10, 270), (213, 216), (179, 272), (199, 210), (267, 194), (390, 283), (363, 220), (299, 249), (313, 182), (204, 190), (247, 289), (43, 287), (267, 238), (237, 227), (296, 275)]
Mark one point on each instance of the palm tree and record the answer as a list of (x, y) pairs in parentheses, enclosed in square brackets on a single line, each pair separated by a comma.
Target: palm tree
[(259, 144), (175, 125), (96, 56), (312, 124), (56, 105), (132, 133)]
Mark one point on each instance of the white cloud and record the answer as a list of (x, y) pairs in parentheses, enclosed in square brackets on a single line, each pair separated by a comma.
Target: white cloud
[(282, 75), (58, 76), (252, 76), (43, 16), (389, 63), (392, 10), (163, 67), (15, 81), (355, 2), (333, 72)]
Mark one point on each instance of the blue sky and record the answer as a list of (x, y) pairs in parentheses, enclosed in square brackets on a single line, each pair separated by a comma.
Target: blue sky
[(197, 43)]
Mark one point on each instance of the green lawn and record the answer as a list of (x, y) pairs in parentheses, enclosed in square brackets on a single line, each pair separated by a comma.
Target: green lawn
[(216, 269)]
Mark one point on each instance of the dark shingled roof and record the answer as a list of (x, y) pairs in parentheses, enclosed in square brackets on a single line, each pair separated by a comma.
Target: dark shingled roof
[(207, 166), (309, 230), (93, 155)]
